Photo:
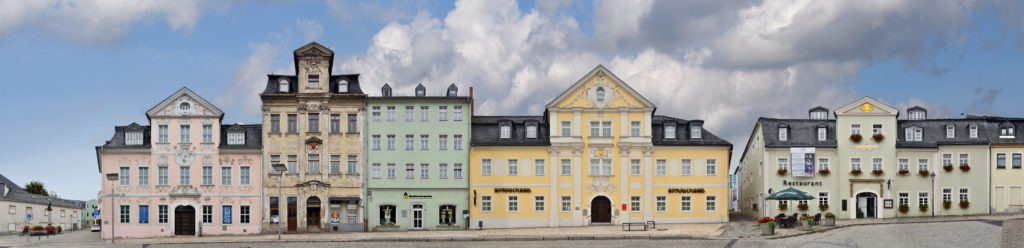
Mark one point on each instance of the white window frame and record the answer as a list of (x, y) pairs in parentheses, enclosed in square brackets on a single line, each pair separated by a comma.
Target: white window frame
[(950, 132), (505, 131), (539, 203), (685, 167), (782, 164), (486, 203), (823, 198), (566, 128), (904, 164), (635, 204), (163, 133), (823, 163), (513, 167), (964, 194), (974, 131), (143, 175), (539, 167), (670, 131), (635, 167), (822, 134), (457, 113), (855, 164), (660, 167), (877, 164), (442, 113), (660, 203), (236, 138), (925, 198), (565, 168), (531, 131), (375, 113), (424, 113), (565, 203), (686, 201), (375, 167), (512, 203), (783, 134), (634, 128), (922, 164), (706, 205), (854, 129), (711, 167), (486, 166), (207, 133)]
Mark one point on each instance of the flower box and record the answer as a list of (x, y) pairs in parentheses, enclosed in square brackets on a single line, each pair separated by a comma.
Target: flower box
[(877, 172), (824, 172), (783, 206), (946, 204), (856, 138), (830, 219), (965, 204), (767, 228), (922, 173), (947, 167), (855, 172), (782, 172), (823, 207), (878, 137), (923, 207), (965, 167), (904, 172), (802, 207), (904, 208)]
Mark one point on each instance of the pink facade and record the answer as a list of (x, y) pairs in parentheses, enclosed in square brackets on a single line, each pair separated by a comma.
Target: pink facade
[(183, 174)]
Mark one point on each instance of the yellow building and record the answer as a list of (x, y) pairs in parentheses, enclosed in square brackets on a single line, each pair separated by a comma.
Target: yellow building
[(597, 155)]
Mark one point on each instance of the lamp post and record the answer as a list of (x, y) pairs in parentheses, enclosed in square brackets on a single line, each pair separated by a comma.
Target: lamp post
[(280, 169), (112, 177), (932, 193)]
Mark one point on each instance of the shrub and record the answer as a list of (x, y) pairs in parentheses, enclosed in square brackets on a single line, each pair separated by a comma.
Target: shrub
[(51, 229), (947, 167), (923, 207), (38, 228), (856, 138), (855, 172), (783, 206), (947, 204), (830, 215), (923, 173), (878, 137), (860, 214)]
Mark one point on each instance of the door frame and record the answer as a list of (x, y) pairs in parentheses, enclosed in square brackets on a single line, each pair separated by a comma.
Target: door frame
[(856, 200), (319, 213), (194, 220), (412, 217), (610, 208)]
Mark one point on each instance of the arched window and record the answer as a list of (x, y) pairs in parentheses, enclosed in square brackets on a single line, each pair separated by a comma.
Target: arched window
[(342, 86), (282, 86), (600, 94), (185, 106)]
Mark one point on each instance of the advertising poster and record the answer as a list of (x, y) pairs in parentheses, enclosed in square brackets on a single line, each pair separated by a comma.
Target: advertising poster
[(802, 161)]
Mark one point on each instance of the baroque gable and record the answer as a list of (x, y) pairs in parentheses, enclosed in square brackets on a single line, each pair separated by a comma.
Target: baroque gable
[(867, 106), (184, 103), (600, 89)]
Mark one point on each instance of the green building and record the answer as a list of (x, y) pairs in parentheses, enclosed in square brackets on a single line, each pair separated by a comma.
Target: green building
[(88, 212), (417, 156)]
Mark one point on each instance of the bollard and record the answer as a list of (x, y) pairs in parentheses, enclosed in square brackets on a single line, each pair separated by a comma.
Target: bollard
[(480, 224)]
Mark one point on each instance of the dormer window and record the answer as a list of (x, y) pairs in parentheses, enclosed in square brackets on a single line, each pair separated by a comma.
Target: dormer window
[(453, 91), (282, 86), (531, 130), (783, 133), (386, 90), (600, 94), (184, 106), (917, 113), (818, 115), (670, 130), (1006, 132), (236, 138), (695, 131), (343, 86), (505, 130), (950, 132), (314, 81), (974, 131), (822, 133), (913, 133), (421, 91), (133, 138)]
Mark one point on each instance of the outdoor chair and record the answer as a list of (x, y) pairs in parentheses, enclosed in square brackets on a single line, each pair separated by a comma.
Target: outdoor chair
[(817, 218)]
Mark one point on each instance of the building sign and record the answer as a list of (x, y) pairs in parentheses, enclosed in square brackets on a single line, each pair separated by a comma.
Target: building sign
[(226, 215), (791, 183), (406, 195), (802, 161), (512, 190), (686, 190)]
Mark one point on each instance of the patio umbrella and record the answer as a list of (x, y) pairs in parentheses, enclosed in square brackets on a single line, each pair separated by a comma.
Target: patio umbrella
[(790, 194)]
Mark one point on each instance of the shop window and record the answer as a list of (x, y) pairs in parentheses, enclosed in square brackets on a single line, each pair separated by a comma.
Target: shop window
[(447, 215), (387, 215)]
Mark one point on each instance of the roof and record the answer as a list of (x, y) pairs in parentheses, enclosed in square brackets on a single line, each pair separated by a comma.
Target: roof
[(995, 123), (682, 133), (18, 194), (253, 136), (293, 86), (934, 133), (485, 131), (118, 140), (185, 92), (800, 133)]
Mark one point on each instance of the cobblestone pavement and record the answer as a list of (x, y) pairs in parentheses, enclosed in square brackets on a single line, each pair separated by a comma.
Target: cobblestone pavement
[(1013, 233), (76, 237)]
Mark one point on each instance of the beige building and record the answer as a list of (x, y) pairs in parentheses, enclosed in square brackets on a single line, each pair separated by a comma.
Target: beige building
[(1007, 172), (312, 123)]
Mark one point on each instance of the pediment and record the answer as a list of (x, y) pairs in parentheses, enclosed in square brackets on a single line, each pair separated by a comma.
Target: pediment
[(600, 89), (313, 49), (867, 106), (184, 102)]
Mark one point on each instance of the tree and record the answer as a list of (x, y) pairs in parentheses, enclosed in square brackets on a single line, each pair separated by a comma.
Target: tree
[(53, 194), (36, 187)]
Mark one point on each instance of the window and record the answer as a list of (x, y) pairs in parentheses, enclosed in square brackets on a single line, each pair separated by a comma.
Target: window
[(442, 171), (184, 176), (375, 113), (391, 142), (391, 113), (243, 215), (143, 214), (917, 115), (236, 138), (513, 167), (335, 164), (711, 166), (442, 142), (352, 163), (822, 133), (457, 143), (485, 167), (1001, 161), (950, 133), (964, 196), (695, 131), (457, 113), (566, 167), (685, 167), (823, 163), (876, 129), (409, 140), (12, 210), (922, 199), (335, 123), (601, 128), (410, 171), (161, 214), (314, 163), (458, 171), (634, 167), (538, 167), (244, 177), (913, 134), (123, 176), (566, 128), (424, 113), (409, 115), (600, 167), (947, 195), (634, 128), (506, 131), (513, 203), (670, 131), (660, 167), (485, 204), (711, 203), (442, 113), (391, 171), (531, 131), (162, 134), (387, 214), (352, 126), (126, 212), (185, 106), (375, 142), (207, 214), (225, 175), (143, 176), (1006, 131), (686, 203), (876, 164), (822, 198), (964, 159), (207, 133), (293, 126), (282, 86), (293, 164), (275, 209), (855, 164), (376, 170), (819, 115), (783, 164), (424, 171), (660, 204), (904, 164), (922, 164), (448, 215), (314, 81), (314, 122), (538, 203), (974, 131), (185, 134), (162, 175), (1016, 161), (947, 159), (424, 142), (904, 198), (600, 94), (854, 129), (566, 204), (342, 88), (634, 204), (783, 134), (207, 175)]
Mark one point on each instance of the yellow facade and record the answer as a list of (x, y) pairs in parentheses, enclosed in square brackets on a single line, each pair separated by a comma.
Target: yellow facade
[(621, 167)]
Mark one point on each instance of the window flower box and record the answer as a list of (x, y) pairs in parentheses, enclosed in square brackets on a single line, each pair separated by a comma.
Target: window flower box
[(877, 172), (878, 137), (855, 172), (922, 173), (823, 207), (904, 208), (782, 172), (802, 207), (824, 172), (904, 172), (965, 204), (783, 206), (947, 204), (923, 207), (965, 167), (947, 167), (856, 138)]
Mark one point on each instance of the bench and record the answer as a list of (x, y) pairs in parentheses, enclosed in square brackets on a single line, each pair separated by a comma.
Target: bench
[(628, 226)]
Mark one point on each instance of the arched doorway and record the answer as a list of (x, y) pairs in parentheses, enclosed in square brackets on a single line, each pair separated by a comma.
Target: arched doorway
[(184, 220), (313, 214), (601, 210), (867, 204)]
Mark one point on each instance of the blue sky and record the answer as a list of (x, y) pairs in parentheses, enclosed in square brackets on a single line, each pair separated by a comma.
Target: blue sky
[(74, 69)]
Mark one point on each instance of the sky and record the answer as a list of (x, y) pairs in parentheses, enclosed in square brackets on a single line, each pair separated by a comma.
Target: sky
[(72, 70)]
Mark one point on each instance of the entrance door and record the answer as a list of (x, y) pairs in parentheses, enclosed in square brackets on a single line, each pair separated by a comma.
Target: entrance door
[(602, 210), (292, 214), (867, 205), (417, 216), (184, 220), (313, 214)]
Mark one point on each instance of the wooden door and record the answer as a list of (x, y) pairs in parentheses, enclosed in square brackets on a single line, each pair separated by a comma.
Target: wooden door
[(602, 210), (292, 216), (184, 220)]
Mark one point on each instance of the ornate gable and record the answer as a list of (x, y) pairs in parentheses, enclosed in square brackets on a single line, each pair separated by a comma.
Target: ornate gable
[(184, 102), (600, 89), (867, 106)]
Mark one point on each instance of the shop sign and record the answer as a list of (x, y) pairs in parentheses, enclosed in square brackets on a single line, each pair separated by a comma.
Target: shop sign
[(512, 190), (791, 183), (406, 195), (686, 190)]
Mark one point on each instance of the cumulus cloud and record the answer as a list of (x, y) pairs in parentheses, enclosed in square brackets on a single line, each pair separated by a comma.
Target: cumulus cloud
[(94, 22)]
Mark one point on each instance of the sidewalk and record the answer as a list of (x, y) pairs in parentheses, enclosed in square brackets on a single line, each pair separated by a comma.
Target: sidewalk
[(752, 231)]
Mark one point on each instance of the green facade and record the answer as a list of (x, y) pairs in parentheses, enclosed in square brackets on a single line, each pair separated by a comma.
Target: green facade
[(430, 200), (87, 213)]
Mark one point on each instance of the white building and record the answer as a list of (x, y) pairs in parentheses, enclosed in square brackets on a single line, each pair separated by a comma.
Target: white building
[(66, 214)]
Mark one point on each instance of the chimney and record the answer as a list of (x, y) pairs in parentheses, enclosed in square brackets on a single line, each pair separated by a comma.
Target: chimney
[(471, 104)]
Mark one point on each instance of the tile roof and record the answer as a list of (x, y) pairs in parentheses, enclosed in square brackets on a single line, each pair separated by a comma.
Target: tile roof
[(485, 131), (934, 133), (18, 194)]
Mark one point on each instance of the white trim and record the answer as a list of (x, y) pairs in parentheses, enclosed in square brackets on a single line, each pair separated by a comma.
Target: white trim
[(510, 185), (688, 185)]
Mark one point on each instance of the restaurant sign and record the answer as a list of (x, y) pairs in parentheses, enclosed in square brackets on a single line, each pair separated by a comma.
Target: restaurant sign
[(512, 190), (791, 183), (686, 190)]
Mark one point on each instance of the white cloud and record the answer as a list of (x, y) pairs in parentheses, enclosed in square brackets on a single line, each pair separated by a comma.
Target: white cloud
[(311, 30), (248, 81), (95, 21)]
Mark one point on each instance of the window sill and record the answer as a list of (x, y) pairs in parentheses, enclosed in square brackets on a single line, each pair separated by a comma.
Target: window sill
[(206, 143), (352, 133), (163, 143), (291, 133)]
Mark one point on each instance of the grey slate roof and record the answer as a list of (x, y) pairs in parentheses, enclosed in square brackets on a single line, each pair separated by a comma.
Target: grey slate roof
[(934, 133), (485, 131), (253, 136), (682, 134), (293, 86), (996, 123), (801, 133), (118, 139), (18, 194)]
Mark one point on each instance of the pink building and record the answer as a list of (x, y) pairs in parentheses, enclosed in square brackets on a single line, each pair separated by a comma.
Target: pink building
[(183, 174)]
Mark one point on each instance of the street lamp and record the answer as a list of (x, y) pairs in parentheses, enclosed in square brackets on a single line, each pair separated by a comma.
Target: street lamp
[(280, 169), (112, 177), (933, 193)]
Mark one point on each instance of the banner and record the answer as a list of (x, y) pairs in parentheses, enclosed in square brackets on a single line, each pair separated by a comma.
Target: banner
[(802, 162)]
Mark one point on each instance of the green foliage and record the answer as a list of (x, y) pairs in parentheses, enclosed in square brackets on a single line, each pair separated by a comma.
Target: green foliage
[(36, 187)]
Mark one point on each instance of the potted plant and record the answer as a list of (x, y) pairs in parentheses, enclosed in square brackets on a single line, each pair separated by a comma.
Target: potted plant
[(965, 167), (904, 172), (830, 219), (923, 207), (783, 206), (60, 229), (860, 214), (922, 173), (38, 230), (802, 206), (782, 172), (878, 137), (856, 138), (965, 204), (946, 204), (823, 207), (824, 172), (767, 225), (877, 172), (24, 230), (807, 221), (904, 208), (855, 172), (50, 229)]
